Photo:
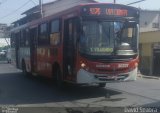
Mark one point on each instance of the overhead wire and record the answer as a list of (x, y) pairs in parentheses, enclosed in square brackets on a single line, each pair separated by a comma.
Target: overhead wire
[(136, 2), (11, 13)]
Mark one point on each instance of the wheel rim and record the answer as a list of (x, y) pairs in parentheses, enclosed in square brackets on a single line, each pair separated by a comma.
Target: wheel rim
[(59, 78), (24, 69)]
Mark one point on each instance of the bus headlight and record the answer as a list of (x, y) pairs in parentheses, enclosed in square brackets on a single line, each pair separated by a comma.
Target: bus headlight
[(136, 64), (83, 65)]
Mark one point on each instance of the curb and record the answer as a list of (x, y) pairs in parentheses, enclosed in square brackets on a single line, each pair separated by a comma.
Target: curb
[(148, 77)]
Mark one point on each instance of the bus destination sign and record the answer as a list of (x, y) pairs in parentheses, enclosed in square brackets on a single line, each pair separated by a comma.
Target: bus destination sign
[(110, 10), (117, 12)]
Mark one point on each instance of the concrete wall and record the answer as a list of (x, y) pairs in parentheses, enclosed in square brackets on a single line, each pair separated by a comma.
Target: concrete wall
[(150, 37), (147, 40), (146, 58)]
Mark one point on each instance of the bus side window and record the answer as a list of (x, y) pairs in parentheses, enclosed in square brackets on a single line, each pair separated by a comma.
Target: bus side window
[(55, 32), (27, 41), (43, 34), (24, 39)]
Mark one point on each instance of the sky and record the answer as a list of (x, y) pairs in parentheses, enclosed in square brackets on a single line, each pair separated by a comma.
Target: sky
[(11, 10)]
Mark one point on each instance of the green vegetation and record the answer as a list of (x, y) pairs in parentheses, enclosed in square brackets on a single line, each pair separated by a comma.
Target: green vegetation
[(4, 48)]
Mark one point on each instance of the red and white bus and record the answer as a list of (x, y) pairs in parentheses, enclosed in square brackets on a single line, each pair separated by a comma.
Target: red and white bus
[(87, 44)]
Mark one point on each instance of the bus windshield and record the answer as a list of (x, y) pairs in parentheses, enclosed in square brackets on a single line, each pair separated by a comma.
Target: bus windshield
[(108, 38)]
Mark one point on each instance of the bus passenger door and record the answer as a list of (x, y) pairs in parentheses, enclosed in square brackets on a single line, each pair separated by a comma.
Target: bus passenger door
[(33, 48), (69, 50)]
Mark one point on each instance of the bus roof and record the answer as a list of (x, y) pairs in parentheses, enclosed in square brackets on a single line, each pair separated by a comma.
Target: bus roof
[(76, 9)]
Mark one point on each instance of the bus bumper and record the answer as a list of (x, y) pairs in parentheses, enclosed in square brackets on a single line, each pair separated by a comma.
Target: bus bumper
[(84, 77)]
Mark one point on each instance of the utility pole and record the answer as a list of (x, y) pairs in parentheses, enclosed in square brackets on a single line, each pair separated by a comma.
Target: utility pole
[(41, 7), (114, 1)]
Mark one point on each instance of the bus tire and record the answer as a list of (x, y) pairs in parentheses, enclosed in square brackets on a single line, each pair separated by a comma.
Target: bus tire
[(24, 70), (102, 85), (59, 80)]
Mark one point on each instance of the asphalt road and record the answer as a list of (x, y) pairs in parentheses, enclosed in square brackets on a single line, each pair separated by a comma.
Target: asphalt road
[(36, 94)]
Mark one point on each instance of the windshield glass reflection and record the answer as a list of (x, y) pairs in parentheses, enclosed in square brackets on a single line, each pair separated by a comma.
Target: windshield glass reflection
[(107, 38)]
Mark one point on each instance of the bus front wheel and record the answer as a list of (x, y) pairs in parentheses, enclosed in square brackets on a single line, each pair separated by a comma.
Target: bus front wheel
[(24, 70), (102, 85)]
